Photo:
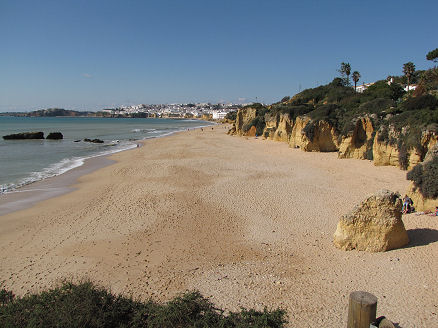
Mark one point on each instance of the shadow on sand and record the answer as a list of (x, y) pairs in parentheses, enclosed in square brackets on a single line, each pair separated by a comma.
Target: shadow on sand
[(422, 237)]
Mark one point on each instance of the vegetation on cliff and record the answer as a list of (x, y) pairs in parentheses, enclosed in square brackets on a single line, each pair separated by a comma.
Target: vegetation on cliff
[(85, 305), (399, 118), (424, 176)]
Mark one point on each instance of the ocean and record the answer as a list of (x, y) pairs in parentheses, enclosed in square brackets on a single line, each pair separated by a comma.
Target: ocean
[(23, 162)]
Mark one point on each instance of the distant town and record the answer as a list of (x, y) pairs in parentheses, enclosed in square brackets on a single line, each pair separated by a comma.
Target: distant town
[(206, 111)]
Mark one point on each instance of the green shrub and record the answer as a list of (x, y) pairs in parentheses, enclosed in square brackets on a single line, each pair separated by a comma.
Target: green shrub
[(85, 305), (425, 178), (420, 102), (376, 105), (231, 116)]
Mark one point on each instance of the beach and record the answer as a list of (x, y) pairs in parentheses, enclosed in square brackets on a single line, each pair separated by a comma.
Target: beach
[(247, 222)]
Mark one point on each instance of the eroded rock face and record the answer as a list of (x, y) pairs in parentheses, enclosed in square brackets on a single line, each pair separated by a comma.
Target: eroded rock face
[(24, 135), (422, 203), (284, 128), (271, 126), (297, 138), (359, 142), (374, 225), (244, 116)]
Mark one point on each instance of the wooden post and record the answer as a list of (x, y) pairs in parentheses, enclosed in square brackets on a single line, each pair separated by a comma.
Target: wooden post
[(362, 309)]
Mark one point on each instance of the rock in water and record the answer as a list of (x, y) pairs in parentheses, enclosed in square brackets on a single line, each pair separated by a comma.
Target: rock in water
[(374, 226), (55, 136), (24, 135)]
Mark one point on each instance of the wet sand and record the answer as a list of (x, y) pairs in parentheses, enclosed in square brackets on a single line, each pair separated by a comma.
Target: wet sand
[(248, 222)]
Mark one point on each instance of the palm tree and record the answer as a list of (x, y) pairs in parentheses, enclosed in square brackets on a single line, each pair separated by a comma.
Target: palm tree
[(355, 76), (409, 70), (345, 70)]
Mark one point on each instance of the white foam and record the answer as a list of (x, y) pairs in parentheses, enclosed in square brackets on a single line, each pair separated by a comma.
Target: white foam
[(60, 167)]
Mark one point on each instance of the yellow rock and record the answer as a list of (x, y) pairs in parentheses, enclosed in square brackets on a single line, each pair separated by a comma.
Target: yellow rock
[(374, 226), (356, 144)]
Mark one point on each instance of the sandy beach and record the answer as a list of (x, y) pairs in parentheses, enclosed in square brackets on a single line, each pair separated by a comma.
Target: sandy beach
[(247, 222)]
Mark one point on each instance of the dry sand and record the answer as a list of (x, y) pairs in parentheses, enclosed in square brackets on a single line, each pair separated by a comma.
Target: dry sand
[(248, 222)]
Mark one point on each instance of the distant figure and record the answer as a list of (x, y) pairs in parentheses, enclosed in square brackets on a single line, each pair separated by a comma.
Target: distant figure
[(436, 211), (407, 205), (202, 129), (212, 128)]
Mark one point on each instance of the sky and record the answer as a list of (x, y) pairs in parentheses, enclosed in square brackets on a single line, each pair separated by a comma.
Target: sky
[(89, 55)]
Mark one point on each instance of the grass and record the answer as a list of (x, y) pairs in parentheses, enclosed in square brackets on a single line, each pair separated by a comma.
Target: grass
[(87, 305)]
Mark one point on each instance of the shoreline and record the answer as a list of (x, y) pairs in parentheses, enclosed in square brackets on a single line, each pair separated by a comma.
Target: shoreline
[(38, 191), (247, 222), (28, 195)]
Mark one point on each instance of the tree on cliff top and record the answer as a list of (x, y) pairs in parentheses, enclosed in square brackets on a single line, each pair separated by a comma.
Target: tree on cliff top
[(355, 76), (408, 71), (345, 72), (433, 55)]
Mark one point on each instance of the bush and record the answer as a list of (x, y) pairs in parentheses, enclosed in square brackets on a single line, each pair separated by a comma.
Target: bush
[(231, 115), (425, 178), (420, 102), (376, 105), (85, 305)]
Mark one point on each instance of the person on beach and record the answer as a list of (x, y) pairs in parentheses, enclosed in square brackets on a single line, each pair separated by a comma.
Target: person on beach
[(407, 203)]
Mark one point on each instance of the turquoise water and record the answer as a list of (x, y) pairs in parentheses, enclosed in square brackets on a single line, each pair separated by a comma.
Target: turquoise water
[(25, 161)]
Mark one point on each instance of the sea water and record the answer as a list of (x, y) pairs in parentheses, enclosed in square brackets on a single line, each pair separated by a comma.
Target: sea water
[(25, 161)]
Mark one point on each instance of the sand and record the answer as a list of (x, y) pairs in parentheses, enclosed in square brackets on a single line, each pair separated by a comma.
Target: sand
[(248, 222)]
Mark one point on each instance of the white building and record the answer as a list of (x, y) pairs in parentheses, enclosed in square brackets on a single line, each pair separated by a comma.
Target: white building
[(219, 115), (363, 87)]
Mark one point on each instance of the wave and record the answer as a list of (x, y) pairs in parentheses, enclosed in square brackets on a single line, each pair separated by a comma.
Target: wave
[(61, 167)]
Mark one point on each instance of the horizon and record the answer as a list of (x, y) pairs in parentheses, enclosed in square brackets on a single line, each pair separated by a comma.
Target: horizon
[(87, 56)]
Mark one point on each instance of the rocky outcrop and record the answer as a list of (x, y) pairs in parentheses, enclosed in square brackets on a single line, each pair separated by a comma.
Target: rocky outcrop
[(93, 140), (385, 153), (358, 143), (284, 128), (24, 135), (363, 142), (298, 138), (322, 136), (55, 136), (374, 226), (278, 127), (422, 203), (271, 122), (244, 117)]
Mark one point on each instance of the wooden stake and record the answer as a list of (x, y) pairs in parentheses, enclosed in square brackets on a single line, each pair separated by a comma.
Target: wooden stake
[(362, 309)]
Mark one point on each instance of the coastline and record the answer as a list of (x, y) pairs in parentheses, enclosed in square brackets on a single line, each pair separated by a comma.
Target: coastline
[(31, 194), (248, 222)]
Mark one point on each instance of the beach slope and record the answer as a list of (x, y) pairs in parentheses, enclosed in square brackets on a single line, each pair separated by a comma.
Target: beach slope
[(248, 222)]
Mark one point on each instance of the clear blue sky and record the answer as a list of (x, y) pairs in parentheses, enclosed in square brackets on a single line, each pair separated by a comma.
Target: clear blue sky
[(88, 55)]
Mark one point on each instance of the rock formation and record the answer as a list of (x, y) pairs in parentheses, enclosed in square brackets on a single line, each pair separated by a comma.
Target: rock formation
[(363, 142), (93, 140), (244, 116), (24, 135), (422, 203), (374, 226), (55, 136), (359, 142)]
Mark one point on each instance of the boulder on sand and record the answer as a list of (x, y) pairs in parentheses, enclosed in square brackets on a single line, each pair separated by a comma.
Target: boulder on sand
[(374, 226), (24, 135), (55, 136)]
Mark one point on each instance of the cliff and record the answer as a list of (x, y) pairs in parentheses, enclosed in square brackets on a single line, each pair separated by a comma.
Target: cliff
[(363, 142), (358, 143)]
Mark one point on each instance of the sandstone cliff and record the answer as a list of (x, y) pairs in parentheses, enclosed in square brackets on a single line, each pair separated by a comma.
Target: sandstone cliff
[(358, 143), (244, 117), (422, 203), (364, 142)]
